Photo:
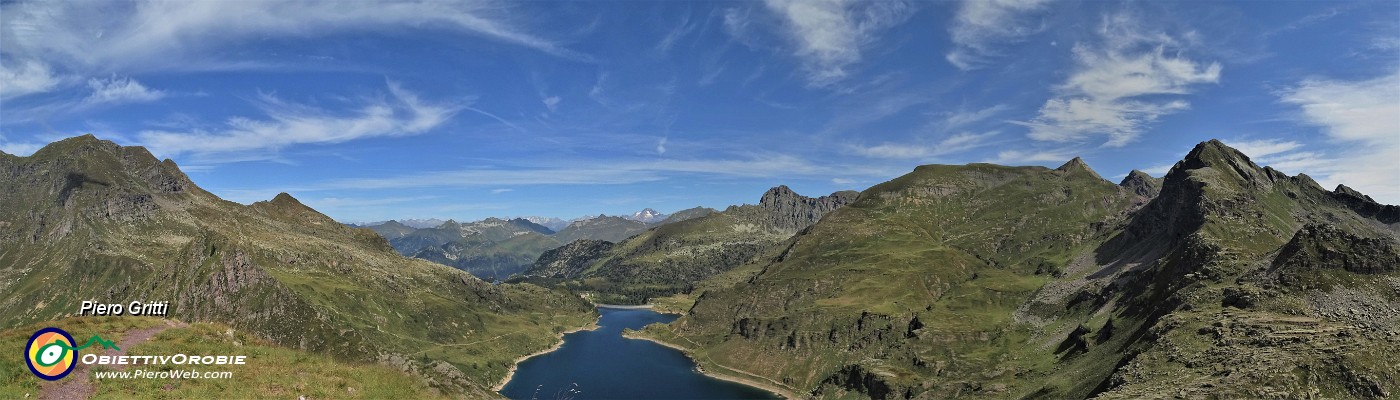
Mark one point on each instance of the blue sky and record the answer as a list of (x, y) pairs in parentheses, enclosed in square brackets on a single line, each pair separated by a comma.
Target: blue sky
[(371, 111)]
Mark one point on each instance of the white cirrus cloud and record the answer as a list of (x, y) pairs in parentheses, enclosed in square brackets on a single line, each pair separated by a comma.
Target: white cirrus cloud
[(27, 77), (1120, 86), (1260, 148), (22, 149), (286, 124), (948, 145), (1021, 157), (154, 34), (980, 25), (830, 34), (552, 103), (1362, 119), (116, 90), (965, 117)]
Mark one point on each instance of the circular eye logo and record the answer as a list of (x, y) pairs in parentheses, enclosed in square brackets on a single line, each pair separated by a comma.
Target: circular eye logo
[(50, 354)]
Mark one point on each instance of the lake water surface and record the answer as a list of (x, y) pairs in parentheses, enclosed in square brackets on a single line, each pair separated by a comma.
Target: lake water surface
[(601, 364)]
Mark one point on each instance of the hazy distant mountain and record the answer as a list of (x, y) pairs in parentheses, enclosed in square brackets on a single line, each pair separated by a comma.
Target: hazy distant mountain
[(553, 223), (647, 216), (87, 219), (411, 223), (390, 229), (422, 223), (689, 213), (491, 249), (496, 248), (602, 227)]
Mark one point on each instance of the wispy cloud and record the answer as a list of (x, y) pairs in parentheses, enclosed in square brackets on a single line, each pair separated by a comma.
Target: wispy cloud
[(591, 172), (502, 190), (1361, 118), (964, 117), (23, 149), (29, 77), (1263, 147), (286, 124), (117, 90), (1158, 170), (1020, 157), (552, 103), (949, 145), (683, 28), (980, 25), (1119, 86), (830, 34), (152, 34)]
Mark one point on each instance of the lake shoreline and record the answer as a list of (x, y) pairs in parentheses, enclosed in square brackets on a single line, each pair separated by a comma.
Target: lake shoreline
[(766, 386), (624, 307), (560, 338)]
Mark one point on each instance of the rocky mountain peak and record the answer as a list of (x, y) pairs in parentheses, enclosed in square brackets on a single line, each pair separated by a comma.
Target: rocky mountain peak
[(648, 215), (1215, 153), (1077, 165), (1366, 206), (285, 199), (284, 205), (777, 193), (1141, 184), (530, 225), (1345, 190)]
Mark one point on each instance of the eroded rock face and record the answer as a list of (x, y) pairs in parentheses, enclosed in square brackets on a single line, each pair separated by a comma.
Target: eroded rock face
[(1319, 246), (788, 210), (1142, 184), (1365, 206)]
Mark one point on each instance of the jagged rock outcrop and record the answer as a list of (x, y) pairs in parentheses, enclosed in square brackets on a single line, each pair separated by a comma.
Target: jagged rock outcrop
[(789, 211), (1321, 246), (1366, 207), (1141, 184)]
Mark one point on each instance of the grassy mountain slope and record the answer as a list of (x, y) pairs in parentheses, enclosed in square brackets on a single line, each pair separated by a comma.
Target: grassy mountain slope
[(990, 281), (272, 370), (84, 219)]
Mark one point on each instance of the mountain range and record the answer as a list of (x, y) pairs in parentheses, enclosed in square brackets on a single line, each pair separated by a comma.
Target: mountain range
[(673, 256), (1222, 279), (495, 248)]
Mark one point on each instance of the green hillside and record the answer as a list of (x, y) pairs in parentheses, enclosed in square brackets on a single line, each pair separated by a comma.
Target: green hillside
[(1025, 282), (671, 258), (271, 371), (85, 219)]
